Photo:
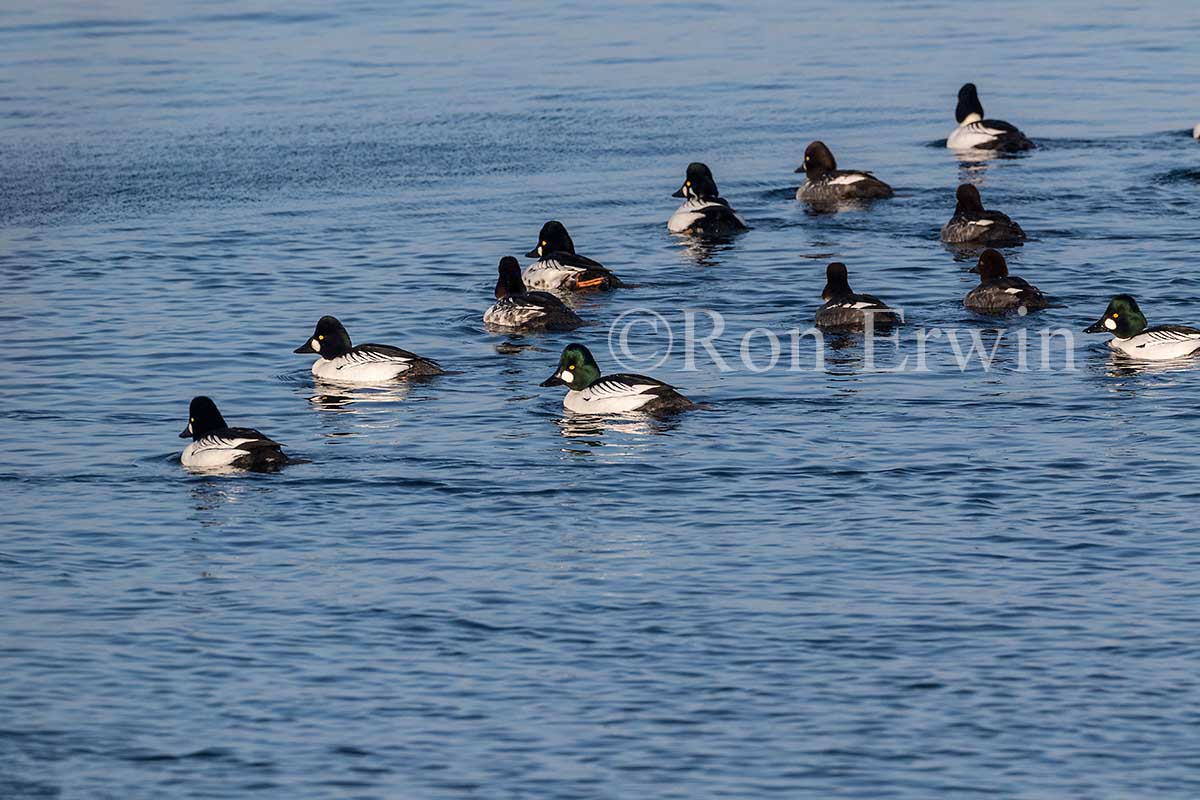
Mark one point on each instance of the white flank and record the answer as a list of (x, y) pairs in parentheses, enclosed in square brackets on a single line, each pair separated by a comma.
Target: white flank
[(1145, 346), (348, 369), (548, 275)]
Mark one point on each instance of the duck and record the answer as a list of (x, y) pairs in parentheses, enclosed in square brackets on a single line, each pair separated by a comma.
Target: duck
[(998, 291), (845, 310), (518, 309), (972, 225), (215, 444), (560, 269), (976, 133), (1196, 131), (704, 211), (824, 182), (339, 360), (590, 393), (1125, 321)]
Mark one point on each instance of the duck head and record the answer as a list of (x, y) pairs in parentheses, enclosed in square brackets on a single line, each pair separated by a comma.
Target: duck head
[(203, 419), (1123, 319), (510, 278), (699, 184), (329, 340), (991, 266), (818, 161), (552, 239), (967, 199), (576, 369), (837, 282), (969, 109)]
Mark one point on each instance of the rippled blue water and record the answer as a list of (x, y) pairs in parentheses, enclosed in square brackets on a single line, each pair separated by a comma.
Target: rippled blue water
[(829, 583)]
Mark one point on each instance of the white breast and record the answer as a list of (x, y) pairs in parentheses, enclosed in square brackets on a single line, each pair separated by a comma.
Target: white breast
[(548, 275), (1154, 346), (688, 214), (608, 399), (512, 315), (360, 368), (206, 453), (971, 134)]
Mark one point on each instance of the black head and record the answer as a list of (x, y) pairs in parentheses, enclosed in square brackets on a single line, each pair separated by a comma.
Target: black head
[(818, 160), (329, 340), (510, 278), (837, 282), (968, 199), (699, 183), (203, 419), (553, 239), (991, 266), (576, 368), (968, 103)]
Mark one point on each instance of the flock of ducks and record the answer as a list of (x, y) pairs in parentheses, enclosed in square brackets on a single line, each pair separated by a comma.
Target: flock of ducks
[(530, 300)]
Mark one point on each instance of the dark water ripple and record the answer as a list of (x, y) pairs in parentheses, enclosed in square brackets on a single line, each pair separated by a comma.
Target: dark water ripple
[(826, 583)]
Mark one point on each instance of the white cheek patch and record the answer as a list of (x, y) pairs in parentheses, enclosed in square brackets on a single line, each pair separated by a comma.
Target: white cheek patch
[(189, 429), (316, 346), (567, 376), (539, 251), (1110, 323)]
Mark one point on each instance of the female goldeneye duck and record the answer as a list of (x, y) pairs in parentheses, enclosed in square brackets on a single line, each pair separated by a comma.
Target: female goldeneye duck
[(824, 182), (704, 211), (589, 393), (560, 269), (518, 309), (1124, 320), (976, 133), (998, 291), (215, 444), (845, 310), (367, 363), (971, 224)]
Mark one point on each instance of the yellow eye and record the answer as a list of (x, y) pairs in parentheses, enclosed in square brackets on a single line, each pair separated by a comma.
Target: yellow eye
[(687, 183), (193, 419), (1115, 315), (543, 243), (321, 337), (571, 367)]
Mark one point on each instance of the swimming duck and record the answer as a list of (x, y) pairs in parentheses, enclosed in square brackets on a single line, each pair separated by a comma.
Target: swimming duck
[(971, 224), (824, 182), (518, 309), (560, 269), (704, 211), (1124, 320), (845, 310), (976, 133), (998, 291), (215, 444), (589, 393), (1196, 131), (367, 363)]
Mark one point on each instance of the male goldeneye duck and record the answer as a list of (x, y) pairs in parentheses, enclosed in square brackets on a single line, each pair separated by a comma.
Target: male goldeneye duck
[(971, 224), (367, 363), (998, 291), (1124, 320), (589, 393), (518, 309), (215, 444), (976, 133), (560, 269), (825, 182), (845, 310), (704, 211)]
